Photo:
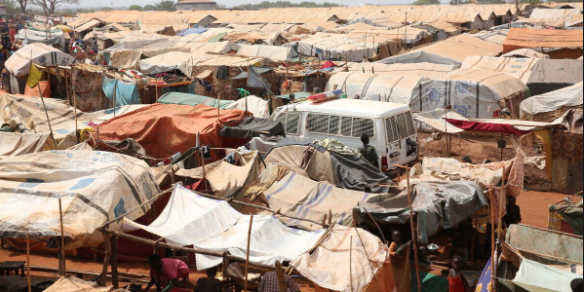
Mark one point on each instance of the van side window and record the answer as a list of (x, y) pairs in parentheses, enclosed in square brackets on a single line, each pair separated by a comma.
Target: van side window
[(347, 126), (291, 122), (400, 127), (362, 126), (318, 123), (340, 126)]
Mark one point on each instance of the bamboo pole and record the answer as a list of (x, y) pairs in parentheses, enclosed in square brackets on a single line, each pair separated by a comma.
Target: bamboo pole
[(47, 115), (28, 280), (62, 265), (106, 260), (413, 227), (247, 254), (114, 262)]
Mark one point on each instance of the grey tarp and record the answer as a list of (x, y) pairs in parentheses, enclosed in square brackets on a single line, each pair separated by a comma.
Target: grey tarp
[(192, 99), (420, 57), (549, 243), (253, 127), (438, 204)]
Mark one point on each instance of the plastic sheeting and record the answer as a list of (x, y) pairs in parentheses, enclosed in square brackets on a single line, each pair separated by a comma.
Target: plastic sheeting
[(568, 97), (275, 54), (41, 54), (123, 93), (215, 226), (251, 127), (166, 129), (168, 62), (259, 107), (32, 184), (421, 57), (15, 144), (425, 70), (29, 36), (536, 277), (549, 243), (74, 284), (193, 100), (559, 44)]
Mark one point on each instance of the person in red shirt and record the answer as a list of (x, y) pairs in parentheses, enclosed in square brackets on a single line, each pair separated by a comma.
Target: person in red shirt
[(456, 279), (166, 271)]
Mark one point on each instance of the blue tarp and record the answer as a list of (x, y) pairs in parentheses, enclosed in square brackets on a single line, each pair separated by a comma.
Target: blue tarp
[(192, 99), (190, 31), (126, 94)]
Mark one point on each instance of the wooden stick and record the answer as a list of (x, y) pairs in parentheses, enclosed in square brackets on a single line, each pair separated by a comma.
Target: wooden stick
[(62, 265), (115, 102), (106, 260), (28, 280), (48, 119), (493, 276), (247, 254), (377, 225), (204, 169), (413, 227), (351, 264), (114, 262)]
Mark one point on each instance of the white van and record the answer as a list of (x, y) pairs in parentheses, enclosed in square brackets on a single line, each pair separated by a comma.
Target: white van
[(390, 126)]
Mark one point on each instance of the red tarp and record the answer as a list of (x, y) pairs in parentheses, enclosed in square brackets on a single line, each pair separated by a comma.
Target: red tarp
[(166, 129), (486, 127)]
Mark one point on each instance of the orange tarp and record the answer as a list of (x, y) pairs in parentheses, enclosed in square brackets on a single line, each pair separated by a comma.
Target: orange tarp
[(166, 129), (569, 42)]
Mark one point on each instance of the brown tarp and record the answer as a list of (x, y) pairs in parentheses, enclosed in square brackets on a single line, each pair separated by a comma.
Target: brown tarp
[(566, 44), (166, 129)]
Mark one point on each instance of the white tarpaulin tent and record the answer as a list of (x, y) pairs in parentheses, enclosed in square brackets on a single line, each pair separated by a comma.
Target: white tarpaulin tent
[(15, 144), (30, 36), (564, 98), (32, 185), (168, 62), (536, 277), (421, 57), (334, 46), (427, 70), (258, 106), (19, 64), (275, 54), (212, 225)]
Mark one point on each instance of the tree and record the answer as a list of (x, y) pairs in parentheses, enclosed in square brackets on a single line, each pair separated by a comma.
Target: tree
[(166, 6), (136, 8), (427, 2), (50, 6), (22, 4), (149, 8)]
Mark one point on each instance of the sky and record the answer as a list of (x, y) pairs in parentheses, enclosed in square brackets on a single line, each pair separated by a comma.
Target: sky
[(228, 3)]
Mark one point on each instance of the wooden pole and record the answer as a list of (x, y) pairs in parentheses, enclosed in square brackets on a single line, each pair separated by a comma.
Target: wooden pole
[(106, 260), (114, 262), (413, 227), (115, 101), (28, 280), (247, 254), (493, 263), (351, 264), (282, 285), (204, 169), (47, 115), (75, 106), (369, 261), (62, 265)]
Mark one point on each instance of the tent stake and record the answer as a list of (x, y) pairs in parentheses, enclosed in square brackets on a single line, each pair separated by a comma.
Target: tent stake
[(62, 265), (413, 227), (247, 254)]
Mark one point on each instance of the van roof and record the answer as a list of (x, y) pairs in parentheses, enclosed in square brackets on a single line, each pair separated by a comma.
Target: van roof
[(353, 108)]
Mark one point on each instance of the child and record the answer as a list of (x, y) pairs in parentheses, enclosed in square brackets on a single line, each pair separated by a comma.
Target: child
[(209, 284), (456, 279)]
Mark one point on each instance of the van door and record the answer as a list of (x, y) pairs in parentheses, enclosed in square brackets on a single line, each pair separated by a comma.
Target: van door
[(401, 139)]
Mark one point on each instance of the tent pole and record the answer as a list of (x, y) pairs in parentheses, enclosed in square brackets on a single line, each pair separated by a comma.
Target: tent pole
[(28, 280), (47, 115), (106, 260), (115, 102), (413, 226), (114, 261), (493, 271), (351, 264), (204, 169), (367, 254), (247, 254), (62, 265), (75, 106)]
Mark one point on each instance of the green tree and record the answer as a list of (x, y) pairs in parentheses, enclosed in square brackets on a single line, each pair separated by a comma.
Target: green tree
[(166, 5), (149, 8), (283, 4), (11, 7), (427, 2), (136, 8)]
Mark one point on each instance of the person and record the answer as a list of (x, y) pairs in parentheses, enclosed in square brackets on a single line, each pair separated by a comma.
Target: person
[(209, 284), (513, 213), (369, 152), (396, 244), (577, 285), (270, 282), (292, 97), (456, 280), (167, 270)]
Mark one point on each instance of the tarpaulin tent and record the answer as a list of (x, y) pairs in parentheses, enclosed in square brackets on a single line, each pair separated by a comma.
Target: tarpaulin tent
[(15, 144), (333, 47), (568, 97), (450, 51), (425, 70), (189, 31), (166, 129), (193, 100), (168, 62), (526, 53), (566, 216), (120, 92), (348, 172), (540, 75), (74, 284), (438, 204), (275, 54), (251, 127), (559, 44), (30, 36), (83, 180), (536, 277), (258, 106)]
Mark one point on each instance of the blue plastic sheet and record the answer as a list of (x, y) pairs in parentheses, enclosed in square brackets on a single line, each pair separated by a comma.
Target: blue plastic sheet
[(126, 93), (190, 31)]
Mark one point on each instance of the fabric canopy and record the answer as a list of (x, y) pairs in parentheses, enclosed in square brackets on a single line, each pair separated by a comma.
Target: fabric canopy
[(82, 179), (166, 129), (536, 277), (254, 127)]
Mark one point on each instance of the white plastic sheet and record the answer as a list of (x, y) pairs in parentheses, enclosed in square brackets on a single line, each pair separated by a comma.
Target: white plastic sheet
[(536, 277)]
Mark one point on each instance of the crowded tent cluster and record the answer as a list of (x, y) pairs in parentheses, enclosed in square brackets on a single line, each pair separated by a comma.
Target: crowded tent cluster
[(310, 149)]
